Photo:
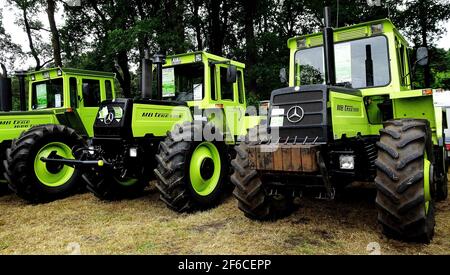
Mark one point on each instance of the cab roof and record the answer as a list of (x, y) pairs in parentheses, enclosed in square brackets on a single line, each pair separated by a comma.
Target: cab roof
[(208, 56), (361, 29), (74, 71)]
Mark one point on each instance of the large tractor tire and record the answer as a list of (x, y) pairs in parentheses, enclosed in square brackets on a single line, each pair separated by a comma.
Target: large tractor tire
[(404, 180), (34, 180), (256, 201), (108, 187), (192, 175)]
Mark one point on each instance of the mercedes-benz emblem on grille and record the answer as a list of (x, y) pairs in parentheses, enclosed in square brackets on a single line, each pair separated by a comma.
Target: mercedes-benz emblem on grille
[(109, 118), (295, 114)]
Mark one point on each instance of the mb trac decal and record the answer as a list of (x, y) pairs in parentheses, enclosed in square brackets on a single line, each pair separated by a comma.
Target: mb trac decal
[(161, 115), (347, 108), (22, 123)]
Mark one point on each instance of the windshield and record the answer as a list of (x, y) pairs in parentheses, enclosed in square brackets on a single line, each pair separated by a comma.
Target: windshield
[(359, 64), (47, 94), (183, 82)]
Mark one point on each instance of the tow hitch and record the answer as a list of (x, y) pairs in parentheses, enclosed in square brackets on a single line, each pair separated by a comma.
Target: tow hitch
[(55, 159)]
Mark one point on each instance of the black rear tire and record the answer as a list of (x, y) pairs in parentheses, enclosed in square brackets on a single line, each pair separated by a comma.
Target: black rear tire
[(401, 193), (20, 158), (254, 199), (173, 175)]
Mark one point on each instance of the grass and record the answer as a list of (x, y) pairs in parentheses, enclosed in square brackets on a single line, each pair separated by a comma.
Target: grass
[(146, 226)]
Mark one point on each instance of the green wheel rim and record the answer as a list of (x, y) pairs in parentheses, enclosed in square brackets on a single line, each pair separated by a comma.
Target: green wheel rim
[(52, 178), (426, 182), (126, 181), (205, 151)]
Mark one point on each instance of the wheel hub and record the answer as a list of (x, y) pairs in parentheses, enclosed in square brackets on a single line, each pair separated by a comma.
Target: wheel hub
[(207, 168), (54, 168)]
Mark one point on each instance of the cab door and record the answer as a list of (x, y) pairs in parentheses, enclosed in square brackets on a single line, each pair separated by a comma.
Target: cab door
[(91, 92), (229, 99)]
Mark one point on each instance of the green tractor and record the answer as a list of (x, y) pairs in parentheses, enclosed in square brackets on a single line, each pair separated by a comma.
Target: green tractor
[(192, 109), (350, 114), (58, 115)]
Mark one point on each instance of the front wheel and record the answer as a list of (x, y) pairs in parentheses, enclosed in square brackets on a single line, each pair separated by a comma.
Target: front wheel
[(404, 180), (192, 175), (37, 181), (256, 201)]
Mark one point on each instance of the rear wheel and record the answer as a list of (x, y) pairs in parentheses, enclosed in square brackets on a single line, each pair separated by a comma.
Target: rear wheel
[(404, 180), (34, 180), (192, 175), (107, 186), (256, 201)]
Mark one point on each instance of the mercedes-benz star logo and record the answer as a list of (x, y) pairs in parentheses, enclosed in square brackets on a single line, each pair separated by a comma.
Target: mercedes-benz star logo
[(109, 118), (295, 114)]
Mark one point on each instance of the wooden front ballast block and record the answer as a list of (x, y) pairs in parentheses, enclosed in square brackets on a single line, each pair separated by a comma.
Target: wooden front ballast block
[(284, 157)]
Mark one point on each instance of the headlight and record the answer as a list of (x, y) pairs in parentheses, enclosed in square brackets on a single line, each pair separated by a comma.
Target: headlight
[(347, 162), (133, 152)]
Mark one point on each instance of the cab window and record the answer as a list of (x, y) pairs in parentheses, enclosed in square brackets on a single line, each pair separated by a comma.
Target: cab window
[(183, 82), (226, 89), (213, 84), (108, 89), (47, 94), (401, 52), (240, 87), (362, 63), (73, 92), (91, 92)]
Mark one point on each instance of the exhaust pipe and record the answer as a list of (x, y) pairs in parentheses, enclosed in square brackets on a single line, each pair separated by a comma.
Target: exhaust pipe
[(328, 42), (159, 60), (22, 91), (146, 77), (5, 90)]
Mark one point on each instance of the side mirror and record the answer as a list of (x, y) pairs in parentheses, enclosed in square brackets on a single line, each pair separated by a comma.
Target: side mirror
[(422, 56), (283, 76), (231, 74)]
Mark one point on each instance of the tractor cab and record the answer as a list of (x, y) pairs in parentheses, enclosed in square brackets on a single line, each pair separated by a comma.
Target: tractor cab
[(190, 86), (201, 79), (58, 95)]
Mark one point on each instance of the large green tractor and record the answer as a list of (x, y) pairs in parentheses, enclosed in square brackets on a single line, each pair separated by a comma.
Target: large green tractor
[(192, 109), (350, 114), (58, 115)]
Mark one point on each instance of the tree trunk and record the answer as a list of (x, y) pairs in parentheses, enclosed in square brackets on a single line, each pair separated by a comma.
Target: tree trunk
[(251, 48), (197, 24), (56, 45), (30, 39), (122, 61), (215, 33), (424, 33), (179, 25)]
